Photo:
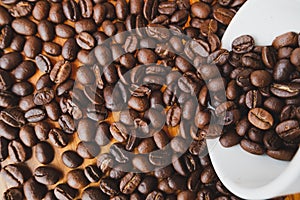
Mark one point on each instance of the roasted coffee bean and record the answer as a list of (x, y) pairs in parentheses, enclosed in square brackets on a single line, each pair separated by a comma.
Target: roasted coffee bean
[(282, 69), (99, 13), (6, 80), (43, 63), (173, 116), (35, 115), (260, 78), (23, 88), (56, 14), (10, 61), (47, 175), (41, 10), (43, 96), (63, 88), (130, 182), (147, 185), (44, 152), (85, 41), (92, 173), (71, 159), (34, 190), (52, 48), (223, 15), (12, 194), (15, 175), (295, 59), (282, 154), (58, 138), (41, 130), (155, 195), (50, 195), (6, 36), (141, 163), (260, 118), (88, 150), (76, 179), (272, 141), (150, 9), (60, 72), (24, 70), (288, 130), (102, 134), (44, 81), (200, 10), (70, 49), (3, 148), (109, 187), (85, 25), (252, 147), (119, 153), (71, 10), (285, 90), (13, 117), (269, 57), (65, 192), (18, 152), (46, 30), (147, 145), (229, 139), (24, 26), (87, 130), (86, 8), (85, 76), (286, 39), (92, 193), (17, 43), (32, 47), (5, 17), (243, 44), (27, 136), (64, 31)]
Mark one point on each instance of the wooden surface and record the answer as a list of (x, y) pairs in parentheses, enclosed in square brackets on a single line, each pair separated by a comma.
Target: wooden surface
[(33, 163)]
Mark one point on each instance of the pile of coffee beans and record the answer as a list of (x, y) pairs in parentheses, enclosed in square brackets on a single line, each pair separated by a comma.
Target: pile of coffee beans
[(263, 96), (88, 112)]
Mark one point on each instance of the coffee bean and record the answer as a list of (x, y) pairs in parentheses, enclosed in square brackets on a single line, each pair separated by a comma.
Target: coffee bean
[(243, 44), (15, 175), (10, 61), (252, 147), (92, 193), (44, 152), (288, 130), (70, 49), (71, 159), (142, 164), (150, 9), (285, 90), (64, 31), (282, 69), (65, 192), (154, 195), (260, 78), (129, 183), (56, 14), (41, 10), (32, 47), (200, 10), (12, 194), (295, 59), (47, 175), (60, 72), (76, 179), (5, 17), (6, 36), (34, 190), (71, 10), (24, 26), (17, 43), (109, 187), (86, 8), (92, 173), (260, 118), (282, 154), (85, 25), (173, 116), (286, 39), (46, 30), (52, 48), (58, 138), (21, 9), (230, 139)]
